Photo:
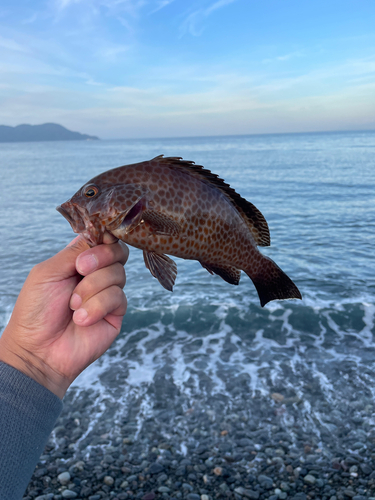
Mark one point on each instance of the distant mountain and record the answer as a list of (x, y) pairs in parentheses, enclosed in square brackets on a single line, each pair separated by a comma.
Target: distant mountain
[(45, 132)]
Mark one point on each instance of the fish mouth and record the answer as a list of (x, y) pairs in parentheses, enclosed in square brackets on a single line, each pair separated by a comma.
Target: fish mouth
[(80, 223), (73, 216), (65, 214)]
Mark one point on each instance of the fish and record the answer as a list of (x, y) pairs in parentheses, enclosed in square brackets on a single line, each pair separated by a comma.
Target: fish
[(170, 206)]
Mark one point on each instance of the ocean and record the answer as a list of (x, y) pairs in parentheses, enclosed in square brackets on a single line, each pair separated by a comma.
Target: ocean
[(305, 369)]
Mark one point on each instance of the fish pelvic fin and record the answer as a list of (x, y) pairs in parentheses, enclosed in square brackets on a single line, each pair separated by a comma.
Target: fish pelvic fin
[(229, 274), (162, 268), (272, 283)]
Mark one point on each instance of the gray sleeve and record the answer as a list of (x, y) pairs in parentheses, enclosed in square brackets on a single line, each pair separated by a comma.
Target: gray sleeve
[(28, 412)]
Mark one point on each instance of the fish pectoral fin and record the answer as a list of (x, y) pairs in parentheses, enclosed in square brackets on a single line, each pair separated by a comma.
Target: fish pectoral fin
[(162, 268), (161, 224), (229, 274)]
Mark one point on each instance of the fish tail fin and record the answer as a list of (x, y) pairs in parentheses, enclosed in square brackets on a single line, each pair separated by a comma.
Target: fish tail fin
[(272, 283)]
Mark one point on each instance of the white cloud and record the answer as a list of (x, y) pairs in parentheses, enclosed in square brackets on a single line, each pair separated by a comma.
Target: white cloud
[(231, 106), (64, 4), (90, 81), (131, 7), (9, 44), (217, 5), (160, 5), (110, 52), (284, 57), (194, 19), (190, 24), (31, 19), (126, 24)]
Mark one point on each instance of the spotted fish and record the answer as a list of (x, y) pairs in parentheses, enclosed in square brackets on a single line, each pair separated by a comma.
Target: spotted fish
[(170, 206)]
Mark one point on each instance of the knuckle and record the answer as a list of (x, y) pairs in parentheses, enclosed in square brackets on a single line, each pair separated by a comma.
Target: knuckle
[(113, 296), (104, 254), (37, 269), (109, 253), (119, 294), (124, 249), (122, 303), (119, 271)]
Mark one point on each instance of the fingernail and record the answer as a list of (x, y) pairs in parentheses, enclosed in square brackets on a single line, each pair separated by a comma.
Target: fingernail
[(80, 315), (75, 302), (86, 263)]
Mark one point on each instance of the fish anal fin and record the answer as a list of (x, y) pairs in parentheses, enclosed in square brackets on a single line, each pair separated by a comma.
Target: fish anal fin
[(272, 283), (161, 224), (229, 274), (162, 268)]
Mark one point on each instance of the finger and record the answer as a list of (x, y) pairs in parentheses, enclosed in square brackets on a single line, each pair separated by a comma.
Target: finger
[(63, 264), (108, 238), (95, 282), (75, 240), (114, 321), (111, 301), (101, 256)]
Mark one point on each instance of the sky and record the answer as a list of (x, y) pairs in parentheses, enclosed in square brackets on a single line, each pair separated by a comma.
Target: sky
[(174, 68)]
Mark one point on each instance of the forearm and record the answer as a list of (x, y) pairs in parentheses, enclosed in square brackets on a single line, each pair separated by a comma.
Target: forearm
[(28, 412)]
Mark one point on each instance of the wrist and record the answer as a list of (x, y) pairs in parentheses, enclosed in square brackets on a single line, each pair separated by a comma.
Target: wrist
[(32, 366)]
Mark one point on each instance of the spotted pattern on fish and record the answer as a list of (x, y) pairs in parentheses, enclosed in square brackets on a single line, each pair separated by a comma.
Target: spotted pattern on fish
[(171, 206)]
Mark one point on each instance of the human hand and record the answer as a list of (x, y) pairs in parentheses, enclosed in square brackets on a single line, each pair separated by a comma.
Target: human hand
[(61, 323)]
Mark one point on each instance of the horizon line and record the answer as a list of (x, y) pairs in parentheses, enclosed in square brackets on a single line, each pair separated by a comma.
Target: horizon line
[(240, 135)]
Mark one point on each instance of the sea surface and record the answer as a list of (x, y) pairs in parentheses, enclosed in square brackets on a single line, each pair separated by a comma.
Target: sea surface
[(210, 344)]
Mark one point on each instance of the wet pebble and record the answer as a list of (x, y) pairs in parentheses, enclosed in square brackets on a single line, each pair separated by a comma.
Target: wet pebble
[(254, 495), (366, 469), (309, 479), (63, 478), (40, 472), (108, 480), (163, 489), (265, 481), (69, 494), (155, 468), (149, 496)]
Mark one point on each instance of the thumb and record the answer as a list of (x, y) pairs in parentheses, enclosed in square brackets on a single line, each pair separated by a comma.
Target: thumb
[(63, 264)]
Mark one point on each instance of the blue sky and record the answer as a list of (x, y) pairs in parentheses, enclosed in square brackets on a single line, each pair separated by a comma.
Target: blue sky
[(164, 68)]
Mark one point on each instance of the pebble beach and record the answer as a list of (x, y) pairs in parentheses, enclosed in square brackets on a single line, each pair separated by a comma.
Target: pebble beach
[(250, 451)]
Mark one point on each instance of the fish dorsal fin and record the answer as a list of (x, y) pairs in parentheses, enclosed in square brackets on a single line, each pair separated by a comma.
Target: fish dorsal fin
[(250, 214)]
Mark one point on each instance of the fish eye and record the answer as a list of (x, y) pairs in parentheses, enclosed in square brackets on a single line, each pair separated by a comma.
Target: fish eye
[(91, 191)]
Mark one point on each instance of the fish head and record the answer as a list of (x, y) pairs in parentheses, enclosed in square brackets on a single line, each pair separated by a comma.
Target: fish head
[(96, 208)]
